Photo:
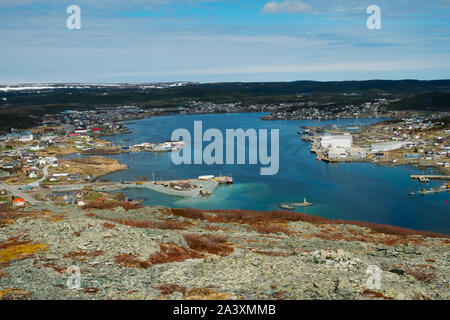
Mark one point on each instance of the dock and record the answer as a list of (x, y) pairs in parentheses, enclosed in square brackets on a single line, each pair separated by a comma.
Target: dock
[(197, 187), (423, 178), (433, 191)]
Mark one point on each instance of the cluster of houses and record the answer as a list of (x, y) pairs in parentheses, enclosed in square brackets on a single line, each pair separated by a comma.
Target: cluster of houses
[(108, 117), (314, 111), (413, 135)]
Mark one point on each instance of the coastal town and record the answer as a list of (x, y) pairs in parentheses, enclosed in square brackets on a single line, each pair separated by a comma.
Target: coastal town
[(33, 168), (57, 211), (30, 160), (415, 138), (238, 152), (330, 111)]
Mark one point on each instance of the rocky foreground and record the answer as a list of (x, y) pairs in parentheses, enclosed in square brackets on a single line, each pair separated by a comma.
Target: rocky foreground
[(160, 253)]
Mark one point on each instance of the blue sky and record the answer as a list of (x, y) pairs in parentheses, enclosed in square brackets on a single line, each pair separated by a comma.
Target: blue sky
[(222, 40)]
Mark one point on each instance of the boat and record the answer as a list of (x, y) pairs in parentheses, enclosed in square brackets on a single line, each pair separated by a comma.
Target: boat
[(286, 206), (303, 204), (225, 179), (207, 177)]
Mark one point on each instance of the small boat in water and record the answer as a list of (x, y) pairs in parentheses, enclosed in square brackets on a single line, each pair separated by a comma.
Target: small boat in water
[(303, 204), (286, 206)]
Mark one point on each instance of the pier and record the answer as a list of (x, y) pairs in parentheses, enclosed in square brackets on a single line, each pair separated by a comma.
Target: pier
[(423, 178), (182, 188)]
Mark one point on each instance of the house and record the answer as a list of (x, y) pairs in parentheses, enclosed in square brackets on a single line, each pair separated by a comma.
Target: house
[(74, 177), (19, 202), (26, 136), (4, 174), (10, 165), (81, 203), (36, 148), (32, 175), (60, 174), (34, 184)]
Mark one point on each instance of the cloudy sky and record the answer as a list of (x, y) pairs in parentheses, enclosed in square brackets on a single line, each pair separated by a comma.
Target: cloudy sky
[(222, 40)]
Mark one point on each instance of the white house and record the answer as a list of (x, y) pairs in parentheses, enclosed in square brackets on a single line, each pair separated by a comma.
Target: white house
[(26, 136)]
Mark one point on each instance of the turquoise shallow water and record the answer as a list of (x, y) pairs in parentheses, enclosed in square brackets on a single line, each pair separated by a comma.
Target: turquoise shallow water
[(355, 191)]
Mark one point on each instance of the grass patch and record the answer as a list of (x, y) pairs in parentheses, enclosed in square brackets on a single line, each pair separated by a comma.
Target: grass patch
[(208, 243), (13, 249), (169, 252)]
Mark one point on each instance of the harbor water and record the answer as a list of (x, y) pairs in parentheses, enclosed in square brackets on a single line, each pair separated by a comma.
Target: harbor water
[(353, 191)]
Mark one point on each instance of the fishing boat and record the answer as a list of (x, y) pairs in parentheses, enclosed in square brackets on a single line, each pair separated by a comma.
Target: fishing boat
[(286, 206), (303, 204), (225, 179)]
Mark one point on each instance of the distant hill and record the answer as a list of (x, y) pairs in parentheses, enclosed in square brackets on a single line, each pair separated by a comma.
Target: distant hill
[(251, 92), (430, 101), (18, 106)]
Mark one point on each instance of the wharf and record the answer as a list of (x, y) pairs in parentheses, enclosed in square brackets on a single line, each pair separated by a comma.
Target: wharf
[(429, 177), (200, 187)]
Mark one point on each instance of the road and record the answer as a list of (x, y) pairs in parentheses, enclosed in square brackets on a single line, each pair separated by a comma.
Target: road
[(45, 174), (18, 193), (15, 191)]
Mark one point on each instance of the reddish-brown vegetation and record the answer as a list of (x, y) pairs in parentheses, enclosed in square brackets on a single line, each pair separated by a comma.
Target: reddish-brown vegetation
[(91, 290), (270, 228), (375, 294), (215, 228), (165, 224), (169, 252), (8, 215), (420, 274), (58, 269), (208, 243), (109, 225), (132, 260), (14, 294), (82, 255), (171, 288), (420, 296), (271, 253), (111, 205), (13, 242), (248, 216), (193, 294)]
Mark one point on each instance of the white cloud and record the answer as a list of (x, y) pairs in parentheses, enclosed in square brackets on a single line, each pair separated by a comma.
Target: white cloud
[(286, 6)]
